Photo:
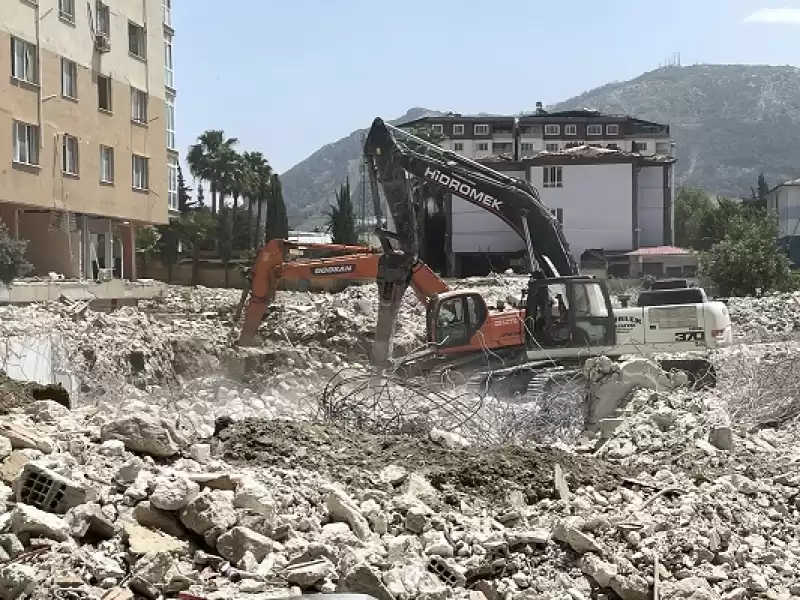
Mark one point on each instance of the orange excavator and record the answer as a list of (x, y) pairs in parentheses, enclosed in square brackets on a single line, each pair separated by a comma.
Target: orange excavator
[(453, 331)]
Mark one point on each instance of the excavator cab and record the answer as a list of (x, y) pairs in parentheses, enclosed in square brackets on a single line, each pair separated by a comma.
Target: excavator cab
[(568, 312), (454, 318)]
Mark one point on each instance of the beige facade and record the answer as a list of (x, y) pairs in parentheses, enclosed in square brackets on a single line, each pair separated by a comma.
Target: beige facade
[(86, 118)]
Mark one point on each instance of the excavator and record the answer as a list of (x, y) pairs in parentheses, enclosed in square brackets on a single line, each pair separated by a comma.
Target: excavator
[(278, 261), (567, 317)]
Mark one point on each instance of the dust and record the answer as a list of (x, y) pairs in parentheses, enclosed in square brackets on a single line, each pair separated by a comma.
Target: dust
[(356, 458)]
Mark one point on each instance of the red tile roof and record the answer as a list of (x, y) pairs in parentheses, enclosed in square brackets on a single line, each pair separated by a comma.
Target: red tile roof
[(659, 250)]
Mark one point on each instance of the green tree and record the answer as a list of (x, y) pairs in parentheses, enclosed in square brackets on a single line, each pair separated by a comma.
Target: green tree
[(169, 243), (258, 174), (197, 228), (208, 160), (759, 194), (13, 262), (748, 258), (146, 244), (691, 205), (341, 218), (185, 202), (277, 226)]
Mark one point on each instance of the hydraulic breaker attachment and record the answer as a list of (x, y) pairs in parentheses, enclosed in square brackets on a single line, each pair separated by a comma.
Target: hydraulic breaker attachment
[(394, 277)]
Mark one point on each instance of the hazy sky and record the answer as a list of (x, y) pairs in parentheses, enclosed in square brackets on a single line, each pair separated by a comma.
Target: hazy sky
[(289, 76)]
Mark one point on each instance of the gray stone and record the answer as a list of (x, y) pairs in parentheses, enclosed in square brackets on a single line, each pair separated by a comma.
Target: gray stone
[(309, 573), (363, 580), (173, 493), (30, 520), (149, 516), (721, 437), (569, 532), (46, 411), (342, 508), (211, 509), (146, 434), (234, 544), (16, 581)]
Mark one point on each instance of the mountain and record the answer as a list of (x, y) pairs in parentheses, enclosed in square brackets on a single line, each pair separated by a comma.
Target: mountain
[(309, 187), (729, 122)]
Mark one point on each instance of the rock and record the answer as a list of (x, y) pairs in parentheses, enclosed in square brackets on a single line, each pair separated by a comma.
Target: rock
[(88, 521), (721, 437), (46, 411), (145, 434), (518, 537), (631, 587), (309, 573), (173, 493), (255, 497), (5, 447), (393, 474), (16, 581), (416, 519), (30, 520), (24, 438), (436, 544), (599, 570), (568, 531), (210, 509), (363, 580), (154, 518), (342, 508), (234, 544), (161, 572), (142, 540), (757, 583)]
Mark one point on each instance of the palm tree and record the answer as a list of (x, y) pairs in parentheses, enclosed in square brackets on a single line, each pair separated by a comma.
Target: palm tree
[(258, 174), (206, 159), (227, 169)]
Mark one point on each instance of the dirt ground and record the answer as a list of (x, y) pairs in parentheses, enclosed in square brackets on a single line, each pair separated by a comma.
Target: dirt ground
[(14, 394), (356, 458)]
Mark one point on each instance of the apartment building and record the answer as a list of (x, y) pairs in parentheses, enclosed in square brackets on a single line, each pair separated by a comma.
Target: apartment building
[(607, 178), (87, 109), (784, 201), (542, 131)]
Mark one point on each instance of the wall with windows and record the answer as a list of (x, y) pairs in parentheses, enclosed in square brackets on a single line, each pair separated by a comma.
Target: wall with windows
[(476, 230), (85, 116), (595, 202), (785, 201)]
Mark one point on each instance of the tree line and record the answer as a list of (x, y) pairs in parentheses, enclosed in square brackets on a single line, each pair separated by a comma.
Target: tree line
[(246, 207), (737, 240)]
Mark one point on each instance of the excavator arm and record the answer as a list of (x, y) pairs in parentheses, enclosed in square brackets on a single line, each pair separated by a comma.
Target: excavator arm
[(390, 155), (357, 263)]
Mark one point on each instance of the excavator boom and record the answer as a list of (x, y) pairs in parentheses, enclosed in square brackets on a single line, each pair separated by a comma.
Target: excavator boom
[(356, 263)]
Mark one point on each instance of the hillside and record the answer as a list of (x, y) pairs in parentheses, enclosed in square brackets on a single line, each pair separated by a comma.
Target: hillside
[(730, 122), (310, 185)]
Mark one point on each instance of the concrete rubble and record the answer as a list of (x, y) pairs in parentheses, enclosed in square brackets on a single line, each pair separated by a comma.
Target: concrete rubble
[(171, 476)]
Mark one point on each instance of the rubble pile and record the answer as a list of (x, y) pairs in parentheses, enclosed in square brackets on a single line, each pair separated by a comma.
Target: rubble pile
[(770, 317), (167, 484)]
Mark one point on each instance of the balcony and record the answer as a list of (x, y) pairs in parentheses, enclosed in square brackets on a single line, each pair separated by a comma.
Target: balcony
[(502, 134), (650, 131)]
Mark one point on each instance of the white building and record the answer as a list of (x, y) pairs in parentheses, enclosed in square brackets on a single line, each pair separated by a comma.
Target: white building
[(784, 201), (608, 202), (608, 178)]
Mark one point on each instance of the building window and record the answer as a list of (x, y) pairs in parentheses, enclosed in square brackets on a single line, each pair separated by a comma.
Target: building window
[(458, 147), (552, 177), (437, 128), (172, 187), (570, 130), (552, 129), (66, 10), (69, 155), (170, 101), (531, 130), (594, 130), (169, 75), (640, 146), (140, 173), (612, 129), (103, 19), (26, 143), (167, 9), (138, 106), (612, 146), (104, 93), (106, 164), (481, 130), (526, 147), (69, 79), (23, 61), (551, 147), (481, 146), (137, 42), (458, 130), (558, 213)]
